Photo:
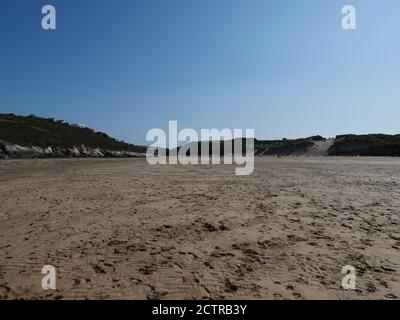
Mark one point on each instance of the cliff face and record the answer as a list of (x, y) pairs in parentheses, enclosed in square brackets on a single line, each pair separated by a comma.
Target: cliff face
[(17, 151), (36, 137)]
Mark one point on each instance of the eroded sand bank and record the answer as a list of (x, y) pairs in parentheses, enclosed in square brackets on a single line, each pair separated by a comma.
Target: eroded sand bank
[(124, 229)]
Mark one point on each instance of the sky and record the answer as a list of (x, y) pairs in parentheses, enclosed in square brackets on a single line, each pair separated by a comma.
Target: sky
[(284, 68)]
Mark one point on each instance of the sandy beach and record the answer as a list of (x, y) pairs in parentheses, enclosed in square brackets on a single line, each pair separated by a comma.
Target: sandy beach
[(122, 229)]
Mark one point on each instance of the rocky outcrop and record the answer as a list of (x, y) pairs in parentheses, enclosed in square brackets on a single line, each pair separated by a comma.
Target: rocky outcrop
[(3, 153), (16, 151)]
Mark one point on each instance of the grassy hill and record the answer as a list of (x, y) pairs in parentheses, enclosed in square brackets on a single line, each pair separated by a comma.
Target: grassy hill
[(36, 131), (32, 136), (366, 145), (284, 147)]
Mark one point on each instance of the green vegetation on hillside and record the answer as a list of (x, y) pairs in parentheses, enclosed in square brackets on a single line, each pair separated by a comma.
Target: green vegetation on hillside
[(42, 132), (366, 145), (33, 131), (285, 146), (265, 147)]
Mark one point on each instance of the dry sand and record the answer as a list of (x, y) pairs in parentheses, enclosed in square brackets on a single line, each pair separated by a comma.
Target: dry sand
[(124, 229)]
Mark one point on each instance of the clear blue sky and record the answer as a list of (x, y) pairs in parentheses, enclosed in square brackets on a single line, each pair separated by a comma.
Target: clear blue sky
[(285, 67)]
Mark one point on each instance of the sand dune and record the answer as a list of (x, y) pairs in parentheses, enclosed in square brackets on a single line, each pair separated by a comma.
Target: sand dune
[(120, 228)]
